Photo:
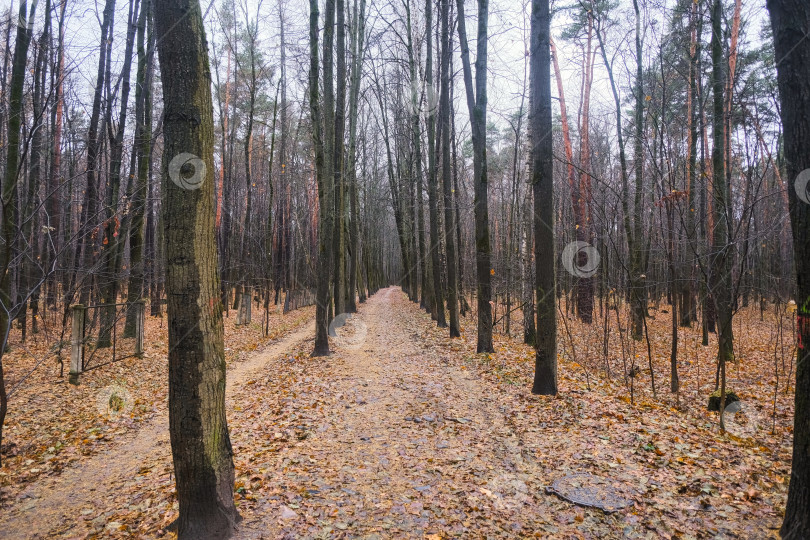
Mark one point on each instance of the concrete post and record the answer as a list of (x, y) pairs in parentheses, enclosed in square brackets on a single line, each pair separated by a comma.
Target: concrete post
[(77, 343), (140, 309)]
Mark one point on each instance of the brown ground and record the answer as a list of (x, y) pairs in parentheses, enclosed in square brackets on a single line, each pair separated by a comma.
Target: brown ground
[(402, 432)]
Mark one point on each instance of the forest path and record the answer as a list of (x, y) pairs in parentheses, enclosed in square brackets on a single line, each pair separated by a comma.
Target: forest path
[(73, 503), (404, 433), (405, 443)]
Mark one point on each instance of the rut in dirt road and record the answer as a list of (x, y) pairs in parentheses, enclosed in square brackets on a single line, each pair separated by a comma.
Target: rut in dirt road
[(403, 435)]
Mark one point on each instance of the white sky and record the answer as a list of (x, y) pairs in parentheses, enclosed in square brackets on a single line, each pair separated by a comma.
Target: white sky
[(507, 45)]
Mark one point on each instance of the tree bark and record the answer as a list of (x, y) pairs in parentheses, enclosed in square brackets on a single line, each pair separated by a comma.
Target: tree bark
[(56, 221), (437, 307), (722, 253), (545, 366), (112, 245), (8, 192), (322, 143), (143, 143), (357, 47), (477, 105), (790, 20), (339, 243), (447, 180), (201, 446)]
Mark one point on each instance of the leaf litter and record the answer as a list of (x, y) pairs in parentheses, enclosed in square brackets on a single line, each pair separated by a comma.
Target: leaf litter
[(402, 432)]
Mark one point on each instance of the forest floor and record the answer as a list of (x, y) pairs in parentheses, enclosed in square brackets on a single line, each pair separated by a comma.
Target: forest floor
[(402, 432)]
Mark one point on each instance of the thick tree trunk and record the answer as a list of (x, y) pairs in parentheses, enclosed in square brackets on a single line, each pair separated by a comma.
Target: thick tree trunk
[(437, 307), (9, 187), (447, 179), (323, 165), (113, 245), (545, 367), (790, 20), (687, 292), (56, 222), (201, 447), (357, 44), (143, 143), (477, 105), (722, 254), (339, 236)]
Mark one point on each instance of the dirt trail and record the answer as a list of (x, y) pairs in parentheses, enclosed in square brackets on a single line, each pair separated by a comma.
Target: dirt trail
[(405, 435), (53, 504)]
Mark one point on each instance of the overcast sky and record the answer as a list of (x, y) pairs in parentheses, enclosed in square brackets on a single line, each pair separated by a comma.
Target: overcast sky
[(507, 44)]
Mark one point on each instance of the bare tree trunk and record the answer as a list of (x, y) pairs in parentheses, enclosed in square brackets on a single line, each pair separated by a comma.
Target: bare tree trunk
[(790, 20), (582, 192), (437, 307), (357, 47), (9, 194), (143, 142), (477, 105), (447, 180), (87, 244), (722, 253), (545, 367), (113, 246), (339, 244), (687, 292), (30, 218), (201, 446), (527, 275), (56, 221), (323, 165)]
